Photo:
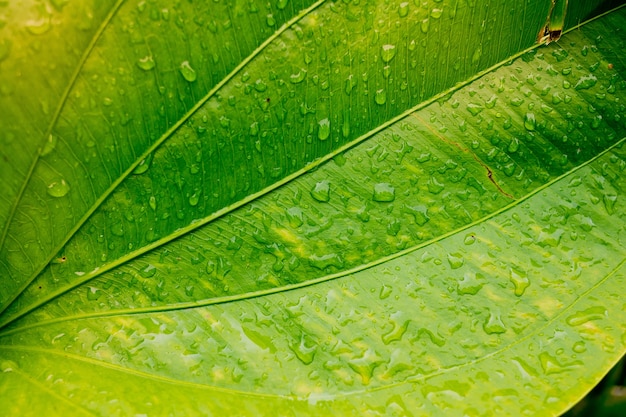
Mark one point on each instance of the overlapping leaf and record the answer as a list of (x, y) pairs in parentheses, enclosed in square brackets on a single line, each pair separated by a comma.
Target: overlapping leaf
[(463, 257)]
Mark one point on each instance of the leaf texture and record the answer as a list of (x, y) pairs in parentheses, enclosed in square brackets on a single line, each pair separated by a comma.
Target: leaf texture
[(344, 210)]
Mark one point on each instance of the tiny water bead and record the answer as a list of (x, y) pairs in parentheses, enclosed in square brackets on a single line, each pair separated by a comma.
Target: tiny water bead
[(146, 63), (380, 97), (143, 165), (530, 123), (187, 71), (298, 77), (403, 9), (324, 129), (58, 188), (321, 191), (388, 52), (384, 193)]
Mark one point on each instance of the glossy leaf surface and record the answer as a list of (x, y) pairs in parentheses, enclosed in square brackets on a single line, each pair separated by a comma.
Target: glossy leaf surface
[(340, 209)]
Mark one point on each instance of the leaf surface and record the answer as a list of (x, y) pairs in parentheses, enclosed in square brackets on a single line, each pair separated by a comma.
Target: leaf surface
[(321, 226)]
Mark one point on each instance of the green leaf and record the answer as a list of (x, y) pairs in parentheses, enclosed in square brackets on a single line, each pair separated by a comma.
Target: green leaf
[(358, 208)]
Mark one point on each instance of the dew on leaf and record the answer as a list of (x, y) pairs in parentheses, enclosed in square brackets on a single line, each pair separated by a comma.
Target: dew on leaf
[(295, 216), (298, 77), (49, 145), (324, 261), (474, 108), (609, 201), (396, 332), (187, 71), (8, 366), (149, 271), (38, 27), (470, 284), (551, 365), (586, 82), (494, 324), (520, 281), (388, 52), (323, 130), (194, 199), (436, 13), (403, 9), (93, 293), (321, 191), (584, 316), (579, 347), (384, 192), (270, 20), (58, 188), (380, 97), (419, 213), (530, 123), (143, 165), (455, 260), (146, 63), (260, 86)]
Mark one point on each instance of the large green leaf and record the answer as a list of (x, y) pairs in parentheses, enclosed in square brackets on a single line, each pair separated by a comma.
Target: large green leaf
[(309, 208)]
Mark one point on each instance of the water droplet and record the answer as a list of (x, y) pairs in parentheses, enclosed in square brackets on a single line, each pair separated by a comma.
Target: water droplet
[(470, 284), (146, 63), (384, 193), (551, 365), (455, 260), (493, 324), (388, 52), (424, 25), (295, 216), (476, 56), (149, 271), (321, 191), (579, 347), (38, 27), (474, 108), (609, 201), (271, 22), (403, 9), (586, 82), (194, 199), (93, 293), (58, 188), (420, 214), (298, 77), (530, 123), (469, 239), (260, 86), (325, 261), (520, 281), (436, 13), (365, 365), (584, 316), (491, 102), (282, 4), (396, 332), (49, 145), (152, 202), (380, 97), (351, 82), (514, 145), (434, 186), (8, 366), (187, 72), (143, 165), (324, 129)]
